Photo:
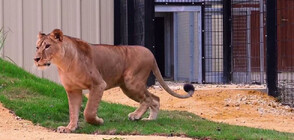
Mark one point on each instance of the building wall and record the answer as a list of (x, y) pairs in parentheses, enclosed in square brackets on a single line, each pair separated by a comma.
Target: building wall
[(90, 20)]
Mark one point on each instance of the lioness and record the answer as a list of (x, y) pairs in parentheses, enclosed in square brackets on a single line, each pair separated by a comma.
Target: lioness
[(100, 67)]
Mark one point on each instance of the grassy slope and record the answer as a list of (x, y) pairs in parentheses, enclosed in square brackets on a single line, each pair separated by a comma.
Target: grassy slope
[(45, 103)]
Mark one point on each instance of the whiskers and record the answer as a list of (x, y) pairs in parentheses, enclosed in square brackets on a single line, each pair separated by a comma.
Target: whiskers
[(36, 70)]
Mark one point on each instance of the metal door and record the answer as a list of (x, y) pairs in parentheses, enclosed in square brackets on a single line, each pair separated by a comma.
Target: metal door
[(187, 41)]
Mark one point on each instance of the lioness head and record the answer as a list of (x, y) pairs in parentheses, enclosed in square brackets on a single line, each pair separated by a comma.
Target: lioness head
[(48, 47)]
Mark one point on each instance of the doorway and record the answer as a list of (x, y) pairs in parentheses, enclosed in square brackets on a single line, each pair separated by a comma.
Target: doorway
[(159, 44), (178, 42)]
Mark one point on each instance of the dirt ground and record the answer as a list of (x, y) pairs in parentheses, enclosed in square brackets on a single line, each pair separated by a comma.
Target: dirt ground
[(237, 105), (217, 103)]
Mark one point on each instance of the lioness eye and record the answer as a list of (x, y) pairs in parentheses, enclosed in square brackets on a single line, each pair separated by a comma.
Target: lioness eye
[(47, 46), (37, 48)]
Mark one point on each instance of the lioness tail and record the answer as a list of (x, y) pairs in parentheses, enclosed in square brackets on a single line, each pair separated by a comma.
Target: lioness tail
[(187, 87)]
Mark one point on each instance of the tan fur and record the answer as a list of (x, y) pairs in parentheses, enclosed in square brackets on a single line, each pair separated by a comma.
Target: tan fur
[(99, 67)]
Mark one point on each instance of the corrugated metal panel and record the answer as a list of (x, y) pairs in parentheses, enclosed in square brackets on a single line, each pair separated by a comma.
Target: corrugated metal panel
[(13, 23), (196, 47), (32, 15), (51, 19), (71, 13), (183, 45), (1, 25), (188, 54), (91, 20), (107, 21), (90, 8)]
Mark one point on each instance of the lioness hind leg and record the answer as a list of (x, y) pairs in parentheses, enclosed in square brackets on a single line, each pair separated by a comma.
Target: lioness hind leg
[(134, 87), (140, 111), (138, 96), (154, 108)]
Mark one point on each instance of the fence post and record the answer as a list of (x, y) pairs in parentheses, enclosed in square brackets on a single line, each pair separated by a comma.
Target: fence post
[(117, 22), (227, 19), (272, 48), (261, 44), (149, 32), (131, 22)]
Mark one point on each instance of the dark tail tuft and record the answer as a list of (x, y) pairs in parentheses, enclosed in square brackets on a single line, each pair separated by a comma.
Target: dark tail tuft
[(189, 89)]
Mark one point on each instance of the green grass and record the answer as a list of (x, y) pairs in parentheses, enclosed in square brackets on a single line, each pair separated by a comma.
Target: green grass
[(45, 103)]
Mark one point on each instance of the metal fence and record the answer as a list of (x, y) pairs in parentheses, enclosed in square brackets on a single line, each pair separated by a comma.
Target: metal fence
[(208, 56), (213, 42), (285, 50), (233, 48), (250, 42), (262, 45), (248, 47)]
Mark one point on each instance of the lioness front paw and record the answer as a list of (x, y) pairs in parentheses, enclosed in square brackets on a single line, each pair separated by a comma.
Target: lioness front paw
[(63, 129), (134, 116), (94, 120), (99, 121)]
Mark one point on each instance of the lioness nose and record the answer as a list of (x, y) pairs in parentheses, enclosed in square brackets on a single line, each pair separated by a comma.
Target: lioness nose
[(37, 59)]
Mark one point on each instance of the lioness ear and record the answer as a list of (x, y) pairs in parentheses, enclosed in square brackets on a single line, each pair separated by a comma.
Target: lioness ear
[(57, 34), (40, 35)]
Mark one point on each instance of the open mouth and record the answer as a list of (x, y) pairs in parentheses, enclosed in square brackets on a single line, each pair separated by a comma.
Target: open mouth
[(46, 64)]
